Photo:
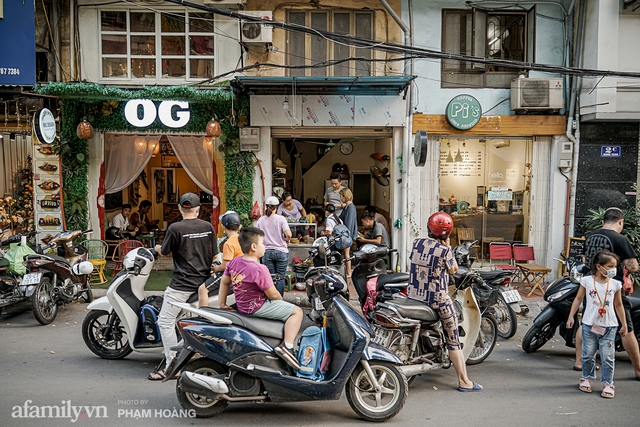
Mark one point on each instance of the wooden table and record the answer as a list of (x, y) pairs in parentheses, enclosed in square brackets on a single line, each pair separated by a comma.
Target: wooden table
[(533, 275)]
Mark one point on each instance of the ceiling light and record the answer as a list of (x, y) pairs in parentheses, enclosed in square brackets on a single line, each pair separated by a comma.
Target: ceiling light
[(449, 156)]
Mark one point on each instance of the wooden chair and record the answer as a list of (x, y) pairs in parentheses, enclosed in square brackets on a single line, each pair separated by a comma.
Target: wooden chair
[(531, 273), (121, 250), (468, 235), (501, 251), (97, 250)]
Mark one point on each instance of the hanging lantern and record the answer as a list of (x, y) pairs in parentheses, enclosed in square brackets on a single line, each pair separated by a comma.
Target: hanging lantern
[(213, 128), (84, 129)]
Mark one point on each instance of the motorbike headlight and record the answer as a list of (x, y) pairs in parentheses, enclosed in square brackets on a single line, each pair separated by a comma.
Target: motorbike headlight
[(558, 295)]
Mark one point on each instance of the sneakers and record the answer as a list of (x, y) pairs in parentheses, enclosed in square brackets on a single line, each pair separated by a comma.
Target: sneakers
[(285, 354)]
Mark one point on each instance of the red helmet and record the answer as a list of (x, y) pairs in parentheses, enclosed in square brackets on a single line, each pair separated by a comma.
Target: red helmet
[(440, 224)]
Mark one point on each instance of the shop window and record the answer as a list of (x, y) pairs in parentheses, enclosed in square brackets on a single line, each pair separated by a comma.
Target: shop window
[(156, 45), (309, 49), (486, 34)]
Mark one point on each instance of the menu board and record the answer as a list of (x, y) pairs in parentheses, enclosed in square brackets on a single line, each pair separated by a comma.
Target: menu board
[(471, 164), (47, 179)]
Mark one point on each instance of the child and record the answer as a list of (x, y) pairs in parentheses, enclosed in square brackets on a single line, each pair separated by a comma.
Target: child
[(599, 323), (256, 294), (231, 224)]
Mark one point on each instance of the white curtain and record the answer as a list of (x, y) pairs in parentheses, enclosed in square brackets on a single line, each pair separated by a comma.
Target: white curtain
[(13, 157), (195, 155), (125, 157)]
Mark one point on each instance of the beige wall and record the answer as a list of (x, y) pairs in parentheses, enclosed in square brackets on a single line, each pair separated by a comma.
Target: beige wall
[(386, 29)]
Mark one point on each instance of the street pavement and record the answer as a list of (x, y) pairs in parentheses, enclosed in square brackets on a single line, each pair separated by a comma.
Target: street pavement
[(51, 366)]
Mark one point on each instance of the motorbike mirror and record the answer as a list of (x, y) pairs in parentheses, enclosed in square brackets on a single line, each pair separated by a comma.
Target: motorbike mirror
[(322, 251), (87, 231)]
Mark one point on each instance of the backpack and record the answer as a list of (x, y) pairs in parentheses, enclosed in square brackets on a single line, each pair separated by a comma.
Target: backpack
[(149, 318), (342, 237), (310, 353)]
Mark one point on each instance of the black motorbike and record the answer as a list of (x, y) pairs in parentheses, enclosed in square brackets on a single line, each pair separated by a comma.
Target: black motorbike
[(560, 296), (12, 289)]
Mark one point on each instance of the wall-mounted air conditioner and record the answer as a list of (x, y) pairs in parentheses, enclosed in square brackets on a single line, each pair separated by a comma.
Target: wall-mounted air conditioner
[(250, 139), (231, 4), (536, 94), (256, 32)]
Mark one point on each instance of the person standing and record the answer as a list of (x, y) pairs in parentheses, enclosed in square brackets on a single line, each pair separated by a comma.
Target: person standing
[(349, 218), (330, 221), (608, 237), (276, 235), (332, 195), (599, 323), (432, 261), (192, 242), (374, 232)]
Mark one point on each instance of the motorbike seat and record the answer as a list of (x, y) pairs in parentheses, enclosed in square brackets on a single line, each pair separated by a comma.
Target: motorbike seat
[(489, 275), (384, 279), (414, 309), (51, 256), (263, 327)]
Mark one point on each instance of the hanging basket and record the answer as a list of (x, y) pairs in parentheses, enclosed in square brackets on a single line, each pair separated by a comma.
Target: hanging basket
[(84, 129)]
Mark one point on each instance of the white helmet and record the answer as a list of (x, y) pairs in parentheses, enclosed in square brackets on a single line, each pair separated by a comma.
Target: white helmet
[(82, 268)]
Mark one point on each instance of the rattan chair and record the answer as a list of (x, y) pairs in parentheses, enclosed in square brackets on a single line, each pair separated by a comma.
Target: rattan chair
[(97, 250)]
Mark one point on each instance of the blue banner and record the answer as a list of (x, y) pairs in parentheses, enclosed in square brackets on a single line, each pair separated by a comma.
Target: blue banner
[(18, 43)]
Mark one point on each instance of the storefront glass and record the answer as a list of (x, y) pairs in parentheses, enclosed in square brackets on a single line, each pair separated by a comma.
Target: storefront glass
[(484, 184)]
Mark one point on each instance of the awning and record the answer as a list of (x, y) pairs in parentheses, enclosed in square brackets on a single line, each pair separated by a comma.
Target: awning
[(322, 85)]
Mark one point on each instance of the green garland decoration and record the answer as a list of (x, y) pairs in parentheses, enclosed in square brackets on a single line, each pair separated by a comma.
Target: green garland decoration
[(104, 108)]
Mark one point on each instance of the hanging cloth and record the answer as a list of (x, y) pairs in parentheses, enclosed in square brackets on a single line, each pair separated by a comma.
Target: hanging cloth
[(297, 177), (125, 157), (194, 153)]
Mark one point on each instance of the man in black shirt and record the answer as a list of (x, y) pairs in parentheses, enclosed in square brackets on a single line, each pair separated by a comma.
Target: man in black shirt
[(609, 238), (192, 242)]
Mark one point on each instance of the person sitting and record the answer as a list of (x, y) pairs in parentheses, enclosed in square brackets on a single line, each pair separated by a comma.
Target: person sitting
[(141, 220), (231, 225), (256, 294), (378, 217), (374, 232), (121, 222)]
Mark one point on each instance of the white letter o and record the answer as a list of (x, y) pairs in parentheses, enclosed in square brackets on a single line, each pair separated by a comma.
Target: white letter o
[(148, 112)]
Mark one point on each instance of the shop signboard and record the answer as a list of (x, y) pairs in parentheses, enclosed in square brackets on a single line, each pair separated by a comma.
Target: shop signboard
[(610, 151), (18, 46), (463, 112), (47, 179), (142, 113), (45, 126)]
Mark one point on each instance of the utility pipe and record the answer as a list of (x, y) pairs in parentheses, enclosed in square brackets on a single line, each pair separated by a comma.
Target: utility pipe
[(72, 34), (55, 16)]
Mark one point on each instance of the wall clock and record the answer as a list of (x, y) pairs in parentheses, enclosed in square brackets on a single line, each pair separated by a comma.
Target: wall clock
[(346, 148)]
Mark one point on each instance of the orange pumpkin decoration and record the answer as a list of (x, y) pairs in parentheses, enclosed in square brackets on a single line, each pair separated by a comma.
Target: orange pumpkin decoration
[(84, 129), (213, 128)]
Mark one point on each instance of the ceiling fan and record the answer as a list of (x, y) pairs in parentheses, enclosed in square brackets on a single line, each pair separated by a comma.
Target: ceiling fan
[(327, 143), (380, 175)]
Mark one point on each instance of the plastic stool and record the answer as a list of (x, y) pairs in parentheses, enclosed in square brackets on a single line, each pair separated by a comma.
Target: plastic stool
[(289, 280)]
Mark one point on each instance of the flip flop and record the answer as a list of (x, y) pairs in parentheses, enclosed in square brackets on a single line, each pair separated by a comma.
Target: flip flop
[(157, 375), (476, 387)]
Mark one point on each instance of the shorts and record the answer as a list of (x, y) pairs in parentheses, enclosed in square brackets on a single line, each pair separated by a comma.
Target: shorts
[(443, 305), (627, 312), (276, 310)]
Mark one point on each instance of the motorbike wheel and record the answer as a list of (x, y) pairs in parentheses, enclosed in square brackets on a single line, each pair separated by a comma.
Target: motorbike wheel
[(88, 295), (372, 405), (105, 340), (44, 306), (486, 342), (537, 336), (203, 406), (508, 325)]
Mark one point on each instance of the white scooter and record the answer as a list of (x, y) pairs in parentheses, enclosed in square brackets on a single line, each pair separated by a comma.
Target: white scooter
[(115, 325)]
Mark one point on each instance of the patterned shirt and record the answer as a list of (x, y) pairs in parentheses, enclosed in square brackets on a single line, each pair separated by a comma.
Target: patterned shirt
[(428, 275)]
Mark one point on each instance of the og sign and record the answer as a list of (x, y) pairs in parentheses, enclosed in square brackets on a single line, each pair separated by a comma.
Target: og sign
[(134, 108)]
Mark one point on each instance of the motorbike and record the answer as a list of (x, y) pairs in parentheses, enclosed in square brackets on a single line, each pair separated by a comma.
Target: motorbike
[(238, 362), (560, 295), (115, 326), (59, 278), (495, 294), (12, 290)]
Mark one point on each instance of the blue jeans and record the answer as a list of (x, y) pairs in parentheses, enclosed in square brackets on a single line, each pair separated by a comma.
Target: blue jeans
[(590, 344), (276, 262)]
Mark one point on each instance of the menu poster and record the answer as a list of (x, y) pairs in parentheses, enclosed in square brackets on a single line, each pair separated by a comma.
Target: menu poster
[(47, 177)]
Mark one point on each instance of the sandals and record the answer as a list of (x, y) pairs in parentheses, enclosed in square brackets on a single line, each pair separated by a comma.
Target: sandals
[(585, 385), (158, 375), (608, 392)]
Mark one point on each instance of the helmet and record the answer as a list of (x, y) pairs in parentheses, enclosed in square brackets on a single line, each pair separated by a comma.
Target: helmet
[(112, 233), (230, 219), (440, 224), (82, 268), (272, 201)]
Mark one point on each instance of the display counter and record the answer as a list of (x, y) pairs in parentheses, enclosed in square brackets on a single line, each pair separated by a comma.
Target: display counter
[(508, 227)]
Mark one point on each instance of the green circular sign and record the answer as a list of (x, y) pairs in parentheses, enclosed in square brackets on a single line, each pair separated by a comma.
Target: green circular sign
[(464, 112)]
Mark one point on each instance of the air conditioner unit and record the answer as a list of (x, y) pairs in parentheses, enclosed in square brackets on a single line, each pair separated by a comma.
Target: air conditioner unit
[(230, 4), (249, 139), (536, 94), (256, 32)]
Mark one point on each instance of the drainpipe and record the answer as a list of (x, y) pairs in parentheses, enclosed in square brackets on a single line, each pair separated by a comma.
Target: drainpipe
[(400, 208), (55, 17), (72, 34), (573, 117)]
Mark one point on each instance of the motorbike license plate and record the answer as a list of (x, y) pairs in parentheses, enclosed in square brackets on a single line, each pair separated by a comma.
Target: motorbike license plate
[(318, 304), (31, 278), (511, 296)]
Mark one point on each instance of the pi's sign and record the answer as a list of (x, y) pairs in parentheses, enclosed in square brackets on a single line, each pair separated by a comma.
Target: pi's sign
[(142, 113), (464, 112)]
